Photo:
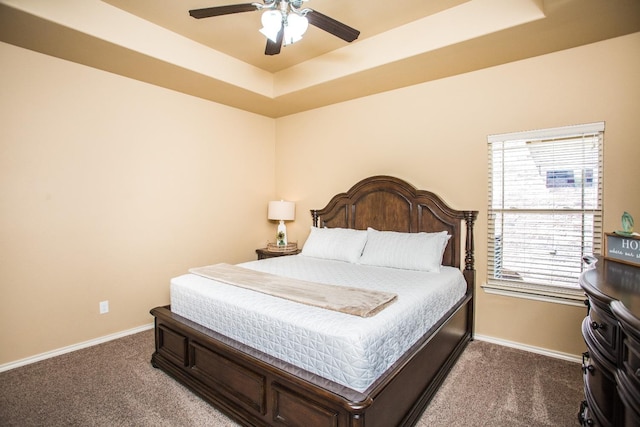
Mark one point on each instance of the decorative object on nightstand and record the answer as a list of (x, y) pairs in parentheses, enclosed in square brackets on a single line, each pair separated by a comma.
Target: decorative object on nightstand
[(281, 211), (264, 253), (289, 247)]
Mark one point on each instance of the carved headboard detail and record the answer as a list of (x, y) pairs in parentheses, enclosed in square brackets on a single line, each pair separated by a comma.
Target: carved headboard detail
[(391, 204)]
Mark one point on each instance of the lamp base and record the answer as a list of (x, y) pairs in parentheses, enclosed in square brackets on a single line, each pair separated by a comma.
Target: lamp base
[(281, 235)]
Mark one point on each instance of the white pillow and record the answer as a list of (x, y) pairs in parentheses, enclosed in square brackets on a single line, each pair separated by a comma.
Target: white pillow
[(411, 251), (342, 244)]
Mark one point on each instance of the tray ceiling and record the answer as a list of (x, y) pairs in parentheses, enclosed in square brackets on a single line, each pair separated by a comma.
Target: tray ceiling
[(402, 43)]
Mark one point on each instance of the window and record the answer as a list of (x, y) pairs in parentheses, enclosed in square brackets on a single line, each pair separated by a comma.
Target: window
[(545, 210)]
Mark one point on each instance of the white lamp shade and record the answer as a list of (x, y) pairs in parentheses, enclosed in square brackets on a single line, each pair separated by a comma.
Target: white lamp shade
[(271, 24), (281, 210), (297, 25)]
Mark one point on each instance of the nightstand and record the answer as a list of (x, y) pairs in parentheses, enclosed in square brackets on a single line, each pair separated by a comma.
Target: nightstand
[(263, 253)]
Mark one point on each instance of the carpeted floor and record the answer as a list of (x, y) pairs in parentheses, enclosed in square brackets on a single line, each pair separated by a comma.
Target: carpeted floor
[(489, 386)]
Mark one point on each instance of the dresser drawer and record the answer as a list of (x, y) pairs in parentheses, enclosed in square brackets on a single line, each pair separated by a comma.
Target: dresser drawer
[(593, 415), (631, 361), (629, 396), (599, 380), (585, 417), (604, 329)]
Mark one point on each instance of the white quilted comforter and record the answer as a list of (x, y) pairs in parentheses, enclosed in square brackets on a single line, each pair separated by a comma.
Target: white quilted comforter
[(350, 350)]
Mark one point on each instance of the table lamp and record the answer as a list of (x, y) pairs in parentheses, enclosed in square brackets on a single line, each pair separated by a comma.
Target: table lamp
[(281, 211)]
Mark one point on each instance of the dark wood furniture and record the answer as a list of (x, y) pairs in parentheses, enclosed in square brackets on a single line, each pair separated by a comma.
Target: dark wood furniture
[(264, 253), (611, 331), (258, 390)]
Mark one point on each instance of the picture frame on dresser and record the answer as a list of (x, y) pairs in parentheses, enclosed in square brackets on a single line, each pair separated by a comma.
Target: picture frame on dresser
[(623, 248)]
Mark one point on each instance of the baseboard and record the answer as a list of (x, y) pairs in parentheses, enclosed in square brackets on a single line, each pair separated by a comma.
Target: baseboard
[(530, 348), (100, 340), (74, 347)]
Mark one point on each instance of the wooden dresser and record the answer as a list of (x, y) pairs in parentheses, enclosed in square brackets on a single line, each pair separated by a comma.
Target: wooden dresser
[(611, 330)]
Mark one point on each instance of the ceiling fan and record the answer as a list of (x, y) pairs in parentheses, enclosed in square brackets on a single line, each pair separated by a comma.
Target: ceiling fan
[(283, 21)]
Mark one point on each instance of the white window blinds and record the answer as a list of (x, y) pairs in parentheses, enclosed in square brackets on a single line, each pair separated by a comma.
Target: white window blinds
[(545, 209)]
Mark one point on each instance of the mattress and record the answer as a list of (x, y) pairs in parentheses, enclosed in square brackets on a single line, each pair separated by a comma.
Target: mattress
[(349, 350)]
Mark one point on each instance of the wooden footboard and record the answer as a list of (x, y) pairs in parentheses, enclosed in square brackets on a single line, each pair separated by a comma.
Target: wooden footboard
[(258, 390)]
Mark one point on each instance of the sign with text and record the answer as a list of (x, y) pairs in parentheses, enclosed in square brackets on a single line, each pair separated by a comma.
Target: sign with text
[(623, 248)]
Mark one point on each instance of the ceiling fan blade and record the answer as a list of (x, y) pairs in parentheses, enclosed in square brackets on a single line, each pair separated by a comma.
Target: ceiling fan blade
[(222, 10), (332, 26), (273, 48)]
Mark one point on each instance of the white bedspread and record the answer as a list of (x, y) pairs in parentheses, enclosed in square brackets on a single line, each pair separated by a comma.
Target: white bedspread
[(350, 350)]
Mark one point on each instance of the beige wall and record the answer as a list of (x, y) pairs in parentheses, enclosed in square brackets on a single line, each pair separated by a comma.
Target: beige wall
[(110, 187), (434, 135)]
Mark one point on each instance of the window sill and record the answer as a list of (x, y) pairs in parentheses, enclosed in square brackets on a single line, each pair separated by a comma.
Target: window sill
[(573, 297)]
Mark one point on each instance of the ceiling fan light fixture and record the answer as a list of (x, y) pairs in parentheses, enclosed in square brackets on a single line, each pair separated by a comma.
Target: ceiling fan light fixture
[(283, 21), (295, 28), (271, 24)]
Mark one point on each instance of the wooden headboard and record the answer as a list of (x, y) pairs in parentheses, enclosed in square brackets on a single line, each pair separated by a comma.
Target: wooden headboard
[(391, 204)]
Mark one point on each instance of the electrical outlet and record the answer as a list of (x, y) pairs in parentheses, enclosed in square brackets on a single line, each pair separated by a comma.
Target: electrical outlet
[(104, 307)]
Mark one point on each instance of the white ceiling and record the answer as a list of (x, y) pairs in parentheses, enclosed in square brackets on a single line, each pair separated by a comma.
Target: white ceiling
[(402, 42)]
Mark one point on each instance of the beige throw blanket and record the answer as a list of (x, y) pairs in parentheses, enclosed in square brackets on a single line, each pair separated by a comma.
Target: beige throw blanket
[(355, 301)]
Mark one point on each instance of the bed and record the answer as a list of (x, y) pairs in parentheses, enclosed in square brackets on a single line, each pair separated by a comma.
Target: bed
[(262, 384)]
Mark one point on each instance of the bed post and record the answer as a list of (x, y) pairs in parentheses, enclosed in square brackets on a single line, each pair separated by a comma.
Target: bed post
[(469, 271), (469, 260)]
